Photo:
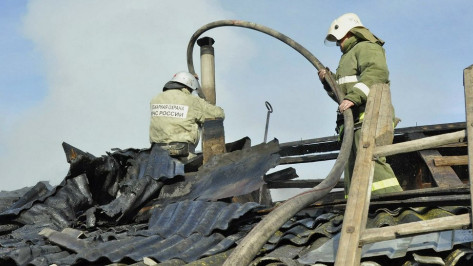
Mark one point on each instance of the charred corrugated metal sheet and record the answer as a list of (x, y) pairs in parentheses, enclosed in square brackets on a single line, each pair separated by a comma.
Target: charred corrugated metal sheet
[(32, 255), (386, 217), (236, 173), (325, 225), (187, 217), (186, 231), (90, 218), (397, 248), (118, 171), (136, 248), (154, 163), (327, 251), (25, 199), (297, 240), (225, 175), (60, 208), (127, 204), (8, 198)]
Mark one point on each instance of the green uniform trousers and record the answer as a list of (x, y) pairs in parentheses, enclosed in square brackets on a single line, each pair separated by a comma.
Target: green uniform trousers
[(384, 179)]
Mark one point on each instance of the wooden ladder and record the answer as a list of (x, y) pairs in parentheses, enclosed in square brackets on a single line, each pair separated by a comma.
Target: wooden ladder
[(375, 136)]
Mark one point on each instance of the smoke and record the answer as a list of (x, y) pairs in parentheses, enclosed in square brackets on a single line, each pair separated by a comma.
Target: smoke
[(104, 61)]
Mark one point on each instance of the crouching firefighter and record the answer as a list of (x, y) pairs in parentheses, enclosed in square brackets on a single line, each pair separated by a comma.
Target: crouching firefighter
[(363, 64), (177, 116)]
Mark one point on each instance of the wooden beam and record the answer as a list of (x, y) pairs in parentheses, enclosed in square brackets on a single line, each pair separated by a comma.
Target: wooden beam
[(327, 144), (435, 129), (468, 84), (398, 131), (443, 176), (425, 192), (421, 144), (435, 197), (455, 145), (281, 175), (396, 231), (431, 201), (451, 160), (308, 142), (356, 213), (322, 145), (384, 128), (303, 183), (308, 158)]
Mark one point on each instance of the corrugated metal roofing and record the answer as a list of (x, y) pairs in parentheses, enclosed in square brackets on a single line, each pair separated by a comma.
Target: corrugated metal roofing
[(187, 231), (187, 217), (57, 207), (439, 241), (101, 195), (101, 191), (236, 173)]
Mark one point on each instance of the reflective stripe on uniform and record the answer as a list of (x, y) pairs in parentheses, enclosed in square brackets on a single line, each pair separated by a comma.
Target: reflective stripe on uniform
[(361, 116), (391, 182), (362, 87), (348, 79), (355, 78)]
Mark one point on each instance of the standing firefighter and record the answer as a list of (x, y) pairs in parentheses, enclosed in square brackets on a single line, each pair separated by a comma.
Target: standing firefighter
[(363, 64), (177, 115)]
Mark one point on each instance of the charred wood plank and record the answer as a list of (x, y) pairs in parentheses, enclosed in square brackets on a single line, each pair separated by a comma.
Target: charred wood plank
[(317, 147), (432, 129), (308, 158), (444, 176), (309, 141), (237, 145), (426, 192), (304, 183), (434, 197), (432, 201), (327, 144), (451, 160), (281, 175)]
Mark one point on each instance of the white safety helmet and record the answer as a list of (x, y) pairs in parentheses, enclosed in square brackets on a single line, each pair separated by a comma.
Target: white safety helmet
[(341, 26), (182, 78)]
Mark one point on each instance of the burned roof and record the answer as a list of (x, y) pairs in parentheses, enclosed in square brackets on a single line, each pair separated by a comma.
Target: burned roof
[(136, 205)]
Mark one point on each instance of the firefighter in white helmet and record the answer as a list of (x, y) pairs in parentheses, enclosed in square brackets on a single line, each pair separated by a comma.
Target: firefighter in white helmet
[(177, 115), (363, 64)]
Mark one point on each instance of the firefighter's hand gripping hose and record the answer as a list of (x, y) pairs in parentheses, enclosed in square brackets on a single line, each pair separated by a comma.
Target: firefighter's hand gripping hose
[(250, 246)]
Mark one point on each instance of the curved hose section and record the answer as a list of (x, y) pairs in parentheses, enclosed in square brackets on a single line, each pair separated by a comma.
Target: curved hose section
[(259, 235)]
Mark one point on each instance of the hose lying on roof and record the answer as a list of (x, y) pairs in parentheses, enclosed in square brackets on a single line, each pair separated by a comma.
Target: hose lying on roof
[(259, 235)]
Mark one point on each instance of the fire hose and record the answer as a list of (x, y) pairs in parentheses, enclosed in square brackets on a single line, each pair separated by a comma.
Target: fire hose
[(249, 247)]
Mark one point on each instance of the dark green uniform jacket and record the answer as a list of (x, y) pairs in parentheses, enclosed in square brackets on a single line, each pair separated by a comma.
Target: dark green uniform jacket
[(362, 65)]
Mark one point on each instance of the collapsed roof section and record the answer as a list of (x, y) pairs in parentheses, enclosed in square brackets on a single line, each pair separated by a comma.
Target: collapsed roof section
[(118, 208), (110, 190)]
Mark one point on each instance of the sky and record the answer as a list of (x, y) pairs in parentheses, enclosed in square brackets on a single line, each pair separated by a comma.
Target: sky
[(83, 71)]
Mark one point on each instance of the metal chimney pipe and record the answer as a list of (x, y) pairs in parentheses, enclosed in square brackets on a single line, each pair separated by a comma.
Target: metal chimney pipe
[(213, 133), (207, 65)]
